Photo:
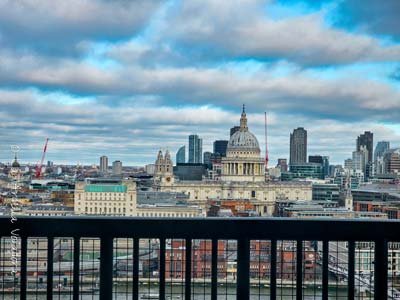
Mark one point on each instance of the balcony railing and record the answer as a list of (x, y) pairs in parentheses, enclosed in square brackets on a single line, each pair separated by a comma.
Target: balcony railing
[(207, 258)]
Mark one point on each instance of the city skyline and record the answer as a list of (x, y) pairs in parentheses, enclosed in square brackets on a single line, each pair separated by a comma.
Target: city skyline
[(125, 82)]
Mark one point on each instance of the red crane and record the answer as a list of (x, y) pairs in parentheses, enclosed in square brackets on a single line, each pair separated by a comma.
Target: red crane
[(38, 173)]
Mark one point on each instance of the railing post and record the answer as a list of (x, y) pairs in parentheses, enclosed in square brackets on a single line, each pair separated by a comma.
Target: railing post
[(50, 254), (135, 283), (351, 270), (325, 270), (214, 269), (106, 268), (273, 270), (162, 269), (299, 270), (75, 287), (243, 264), (23, 267), (188, 268), (381, 270)]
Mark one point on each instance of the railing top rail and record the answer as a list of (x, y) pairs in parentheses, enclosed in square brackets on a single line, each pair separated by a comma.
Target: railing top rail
[(205, 228)]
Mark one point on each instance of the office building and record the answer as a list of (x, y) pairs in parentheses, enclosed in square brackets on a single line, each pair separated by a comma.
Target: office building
[(103, 164), (195, 149), (117, 167), (282, 164), (325, 192), (306, 170), (366, 141), (181, 155), (380, 150), (315, 159), (220, 147), (298, 146), (207, 159), (391, 161), (234, 129), (105, 197)]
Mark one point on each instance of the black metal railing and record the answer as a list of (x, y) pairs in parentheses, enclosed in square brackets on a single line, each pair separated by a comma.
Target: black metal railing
[(304, 247)]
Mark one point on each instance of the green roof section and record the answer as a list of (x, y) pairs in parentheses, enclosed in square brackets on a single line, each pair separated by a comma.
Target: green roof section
[(103, 188)]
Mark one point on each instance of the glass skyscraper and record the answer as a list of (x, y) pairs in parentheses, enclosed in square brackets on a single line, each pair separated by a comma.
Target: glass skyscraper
[(195, 149)]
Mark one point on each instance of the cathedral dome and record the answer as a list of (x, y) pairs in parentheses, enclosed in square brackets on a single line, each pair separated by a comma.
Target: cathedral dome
[(243, 139)]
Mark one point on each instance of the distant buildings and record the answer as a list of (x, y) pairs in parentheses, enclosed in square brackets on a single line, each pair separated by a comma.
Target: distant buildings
[(234, 129), (207, 158), (181, 155), (282, 164), (104, 164), (298, 146), (220, 147), (117, 167), (391, 161), (195, 149)]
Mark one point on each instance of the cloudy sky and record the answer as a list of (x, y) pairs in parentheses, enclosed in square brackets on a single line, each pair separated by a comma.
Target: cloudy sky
[(125, 78)]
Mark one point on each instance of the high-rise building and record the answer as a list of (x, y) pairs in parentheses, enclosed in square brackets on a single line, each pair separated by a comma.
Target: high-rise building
[(380, 149), (325, 165), (207, 158), (181, 155), (392, 161), (234, 129), (282, 164), (220, 147), (360, 160), (367, 140), (103, 164), (298, 146), (195, 149), (117, 167), (348, 164)]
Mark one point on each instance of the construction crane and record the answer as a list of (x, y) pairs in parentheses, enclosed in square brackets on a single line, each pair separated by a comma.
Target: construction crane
[(266, 142), (38, 173)]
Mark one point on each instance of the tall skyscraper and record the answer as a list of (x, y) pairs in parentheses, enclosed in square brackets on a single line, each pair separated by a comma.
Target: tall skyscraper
[(117, 167), (181, 155), (234, 129), (315, 159), (103, 164), (195, 149), (366, 140), (379, 163), (298, 146), (220, 147), (381, 148)]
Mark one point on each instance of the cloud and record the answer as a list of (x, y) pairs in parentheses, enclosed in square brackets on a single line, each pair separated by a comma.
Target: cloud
[(64, 26), (235, 29), (372, 16)]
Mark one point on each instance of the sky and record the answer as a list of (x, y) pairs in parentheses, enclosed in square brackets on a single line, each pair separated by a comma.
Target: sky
[(126, 78)]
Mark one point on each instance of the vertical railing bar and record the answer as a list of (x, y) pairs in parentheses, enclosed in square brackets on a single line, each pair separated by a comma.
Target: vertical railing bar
[(23, 267), (243, 269), (162, 269), (325, 270), (50, 254), (299, 270), (188, 268), (351, 272), (381, 270), (106, 268), (75, 287), (214, 269), (273, 270), (135, 282)]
